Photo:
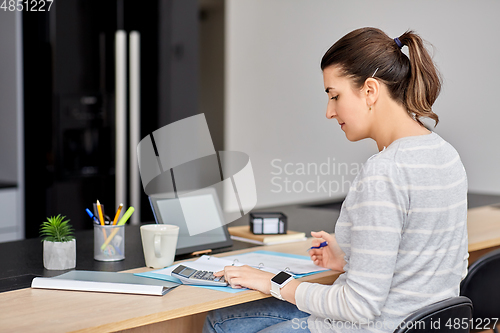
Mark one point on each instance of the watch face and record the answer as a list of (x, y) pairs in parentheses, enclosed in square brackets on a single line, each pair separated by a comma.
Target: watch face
[(280, 277)]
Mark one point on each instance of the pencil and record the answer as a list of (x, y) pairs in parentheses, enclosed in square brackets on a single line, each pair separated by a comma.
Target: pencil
[(99, 209), (123, 220), (127, 214), (117, 214)]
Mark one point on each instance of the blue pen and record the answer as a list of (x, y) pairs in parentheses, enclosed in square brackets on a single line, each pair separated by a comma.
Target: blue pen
[(320, 246), (91, 215)]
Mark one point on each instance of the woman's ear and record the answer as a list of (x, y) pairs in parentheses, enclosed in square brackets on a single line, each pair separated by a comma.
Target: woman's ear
[(371, 91)]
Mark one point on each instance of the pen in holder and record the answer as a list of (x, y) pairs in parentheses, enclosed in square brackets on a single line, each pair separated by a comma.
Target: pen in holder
[(106, 218), (109, 242)]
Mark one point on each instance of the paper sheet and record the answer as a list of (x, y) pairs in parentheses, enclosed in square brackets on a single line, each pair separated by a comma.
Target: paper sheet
[(298, 265)]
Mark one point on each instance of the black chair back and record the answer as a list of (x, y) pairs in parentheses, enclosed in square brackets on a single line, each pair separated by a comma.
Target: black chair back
[(482, 286), (450, 315)]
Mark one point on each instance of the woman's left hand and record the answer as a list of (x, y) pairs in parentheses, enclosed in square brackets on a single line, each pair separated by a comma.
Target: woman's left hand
[(247, 277)]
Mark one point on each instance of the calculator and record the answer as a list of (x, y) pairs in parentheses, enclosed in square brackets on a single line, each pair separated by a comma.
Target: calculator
[(202, 278)]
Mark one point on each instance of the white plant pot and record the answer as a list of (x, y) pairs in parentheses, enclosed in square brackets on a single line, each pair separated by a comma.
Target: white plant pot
[(59, 255)]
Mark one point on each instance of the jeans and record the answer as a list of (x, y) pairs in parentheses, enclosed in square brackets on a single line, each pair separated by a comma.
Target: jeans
[(265, 315)]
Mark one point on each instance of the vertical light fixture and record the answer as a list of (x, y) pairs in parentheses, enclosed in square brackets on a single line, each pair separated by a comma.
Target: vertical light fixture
[(120, 117), (135, 122)]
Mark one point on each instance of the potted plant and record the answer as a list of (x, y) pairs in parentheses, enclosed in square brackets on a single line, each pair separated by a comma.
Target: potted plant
[(59, 244)]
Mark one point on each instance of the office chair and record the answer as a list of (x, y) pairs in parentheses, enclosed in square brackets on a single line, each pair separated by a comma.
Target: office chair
[(482, 286), (426, 319)]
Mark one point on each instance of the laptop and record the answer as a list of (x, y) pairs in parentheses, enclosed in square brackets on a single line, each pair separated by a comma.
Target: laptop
[(169, 210)]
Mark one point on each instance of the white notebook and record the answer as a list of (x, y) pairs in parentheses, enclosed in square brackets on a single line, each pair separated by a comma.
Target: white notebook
[(110, 282)]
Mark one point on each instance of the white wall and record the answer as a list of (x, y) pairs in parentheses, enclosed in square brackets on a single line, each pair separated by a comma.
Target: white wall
[(275, 102)]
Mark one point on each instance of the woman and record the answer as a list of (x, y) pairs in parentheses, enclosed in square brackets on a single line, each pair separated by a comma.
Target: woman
[(401, 238)]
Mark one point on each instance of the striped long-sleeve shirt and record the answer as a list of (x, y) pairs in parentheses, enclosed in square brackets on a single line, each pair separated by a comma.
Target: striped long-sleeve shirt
[(403, 228)]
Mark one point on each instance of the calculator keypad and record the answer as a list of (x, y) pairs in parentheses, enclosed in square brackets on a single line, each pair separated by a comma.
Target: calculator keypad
[(204, 276)]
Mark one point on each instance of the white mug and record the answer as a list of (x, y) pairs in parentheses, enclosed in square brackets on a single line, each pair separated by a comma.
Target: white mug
[(159, 242)]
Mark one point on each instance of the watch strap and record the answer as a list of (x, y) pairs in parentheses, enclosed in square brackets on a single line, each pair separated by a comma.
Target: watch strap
[(276, 291)]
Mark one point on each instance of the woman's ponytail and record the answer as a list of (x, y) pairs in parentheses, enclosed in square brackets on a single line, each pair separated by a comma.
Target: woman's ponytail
[(412, 81), (425, 83)]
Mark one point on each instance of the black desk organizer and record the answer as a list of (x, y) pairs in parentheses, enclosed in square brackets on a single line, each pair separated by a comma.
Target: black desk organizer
[(258, 221)]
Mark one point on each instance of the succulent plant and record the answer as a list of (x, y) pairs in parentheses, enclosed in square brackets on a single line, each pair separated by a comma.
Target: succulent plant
[(55, 229)]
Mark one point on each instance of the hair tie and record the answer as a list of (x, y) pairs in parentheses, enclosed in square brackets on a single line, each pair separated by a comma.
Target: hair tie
[(398, 42)]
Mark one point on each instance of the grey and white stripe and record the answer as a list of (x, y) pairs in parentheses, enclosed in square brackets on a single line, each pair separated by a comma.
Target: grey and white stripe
[(405, 242)]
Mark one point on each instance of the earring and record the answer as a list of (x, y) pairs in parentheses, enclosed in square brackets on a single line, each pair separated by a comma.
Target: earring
[(370, 108)]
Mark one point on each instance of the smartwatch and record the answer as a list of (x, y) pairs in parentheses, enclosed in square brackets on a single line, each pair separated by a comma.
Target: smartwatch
[(279, 281)]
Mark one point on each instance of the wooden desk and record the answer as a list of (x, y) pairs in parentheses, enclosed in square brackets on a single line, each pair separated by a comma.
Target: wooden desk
[(181, 310), (483, 227)]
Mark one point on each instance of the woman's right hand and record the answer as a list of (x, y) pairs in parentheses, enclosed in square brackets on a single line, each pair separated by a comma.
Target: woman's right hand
[(330, 256)]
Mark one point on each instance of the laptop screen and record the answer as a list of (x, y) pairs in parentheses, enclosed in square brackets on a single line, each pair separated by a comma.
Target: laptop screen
[(204, 209)]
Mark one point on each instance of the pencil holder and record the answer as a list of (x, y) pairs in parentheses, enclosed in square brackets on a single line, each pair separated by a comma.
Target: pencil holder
[(109, 242)]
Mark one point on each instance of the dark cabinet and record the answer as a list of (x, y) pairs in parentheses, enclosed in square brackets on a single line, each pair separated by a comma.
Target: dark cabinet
[(98, 76)]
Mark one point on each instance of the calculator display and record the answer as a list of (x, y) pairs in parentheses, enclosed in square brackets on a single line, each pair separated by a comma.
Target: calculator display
[(187, 272)]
